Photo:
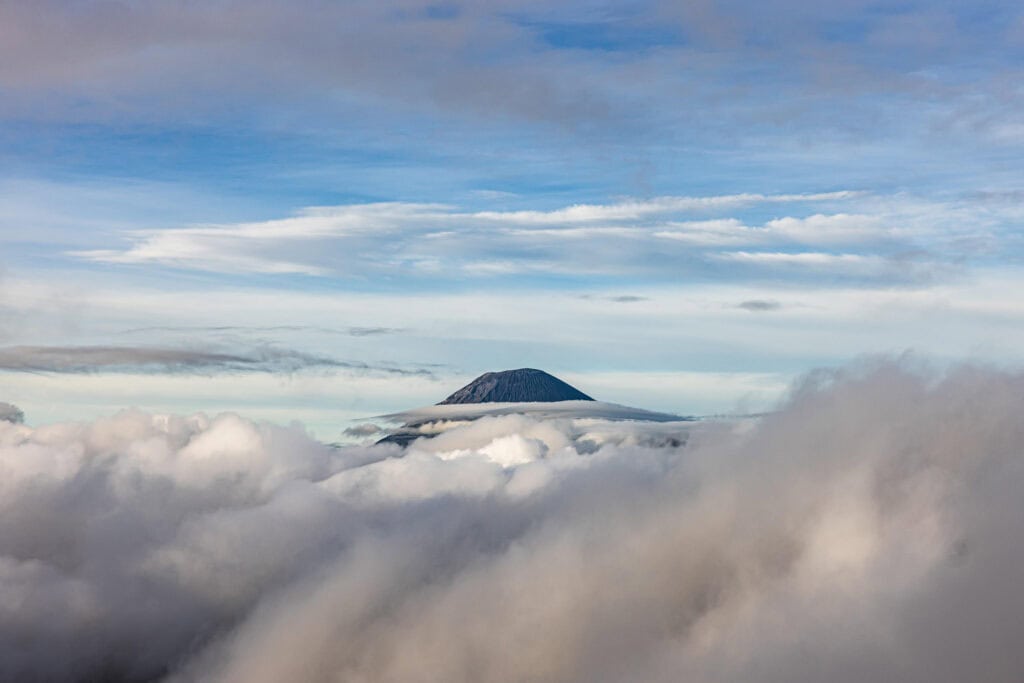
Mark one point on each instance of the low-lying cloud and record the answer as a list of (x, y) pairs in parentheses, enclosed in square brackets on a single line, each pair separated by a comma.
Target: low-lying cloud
[(11, 413), (363, 430), (868, 530), (86, 359)]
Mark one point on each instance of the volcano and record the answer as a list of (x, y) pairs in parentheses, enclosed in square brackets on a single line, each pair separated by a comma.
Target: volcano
[(525, 385), (526, 391)]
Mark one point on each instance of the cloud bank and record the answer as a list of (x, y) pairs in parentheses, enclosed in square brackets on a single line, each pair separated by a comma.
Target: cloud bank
[(868, 530)]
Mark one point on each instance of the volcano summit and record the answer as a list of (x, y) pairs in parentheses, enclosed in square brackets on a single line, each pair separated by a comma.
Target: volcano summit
[(525, 385)]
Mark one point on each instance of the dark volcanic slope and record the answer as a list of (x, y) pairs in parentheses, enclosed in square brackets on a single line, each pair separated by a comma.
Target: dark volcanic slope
[(516, 386)]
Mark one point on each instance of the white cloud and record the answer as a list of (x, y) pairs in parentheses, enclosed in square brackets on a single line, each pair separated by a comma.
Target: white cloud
[(818, 229), (839, 228), (873, 515), (403, 240), (409, 244), (256, 247), (718, 232), (836, 263), (634, 210)]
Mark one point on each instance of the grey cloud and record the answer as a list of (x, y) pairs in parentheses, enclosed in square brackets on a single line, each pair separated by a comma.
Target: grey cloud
[(11, 413), (365, 429), (86, 359), (619, 299), (374, 331), (759, 305), (351, 331), (868, 530)]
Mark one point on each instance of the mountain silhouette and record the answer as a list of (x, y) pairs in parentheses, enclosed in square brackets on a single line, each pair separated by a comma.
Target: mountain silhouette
[(525, 385)]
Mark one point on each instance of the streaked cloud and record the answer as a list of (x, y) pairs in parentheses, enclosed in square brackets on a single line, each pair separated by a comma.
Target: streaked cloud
[(634, 210), (216, 329), (401, 241), (809, 259), (86, 359)]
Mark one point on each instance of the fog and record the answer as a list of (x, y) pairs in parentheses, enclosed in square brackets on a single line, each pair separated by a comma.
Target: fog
[(872, 528)]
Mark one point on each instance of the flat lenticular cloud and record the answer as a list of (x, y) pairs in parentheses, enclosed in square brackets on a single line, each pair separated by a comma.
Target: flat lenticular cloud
[(86, 359), (867, 530)]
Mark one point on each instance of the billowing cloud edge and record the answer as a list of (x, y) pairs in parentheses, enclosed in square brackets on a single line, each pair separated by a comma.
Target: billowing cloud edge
[(867, 528)]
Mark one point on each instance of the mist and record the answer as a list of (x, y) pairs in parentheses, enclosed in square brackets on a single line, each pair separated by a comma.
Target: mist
[(871, 528)]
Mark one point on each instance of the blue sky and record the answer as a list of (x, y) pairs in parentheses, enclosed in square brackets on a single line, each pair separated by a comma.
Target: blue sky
[(317, 211)]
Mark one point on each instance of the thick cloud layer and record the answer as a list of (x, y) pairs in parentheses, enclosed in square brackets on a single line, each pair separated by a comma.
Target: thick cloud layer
[(870, 530)]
